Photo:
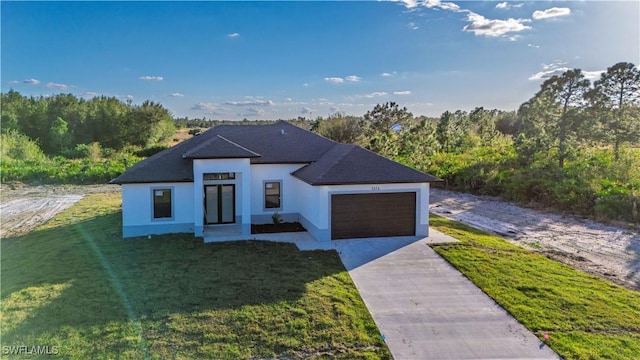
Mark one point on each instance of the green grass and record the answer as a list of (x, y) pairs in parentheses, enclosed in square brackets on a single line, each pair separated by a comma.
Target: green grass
[(586, 317), (75, 284)]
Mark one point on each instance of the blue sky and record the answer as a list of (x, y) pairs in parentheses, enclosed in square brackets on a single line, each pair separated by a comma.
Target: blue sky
[(271, 60)]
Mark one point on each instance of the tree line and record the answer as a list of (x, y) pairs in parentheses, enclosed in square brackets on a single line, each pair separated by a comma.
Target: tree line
[(575, 145), (61, 122)]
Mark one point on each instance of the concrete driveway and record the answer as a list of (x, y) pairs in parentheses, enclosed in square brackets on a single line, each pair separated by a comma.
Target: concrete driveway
[(426, 309)]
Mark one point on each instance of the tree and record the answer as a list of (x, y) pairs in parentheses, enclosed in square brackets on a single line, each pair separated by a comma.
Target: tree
[(564, 98), (340, 128), (59, 134), (613, 98), (451, 130), (384, 126), (484, 122)]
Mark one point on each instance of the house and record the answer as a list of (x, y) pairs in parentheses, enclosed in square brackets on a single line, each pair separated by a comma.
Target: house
[(243, 174)]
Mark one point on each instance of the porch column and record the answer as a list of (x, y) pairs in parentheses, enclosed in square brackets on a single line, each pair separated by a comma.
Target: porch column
[(246, 200)]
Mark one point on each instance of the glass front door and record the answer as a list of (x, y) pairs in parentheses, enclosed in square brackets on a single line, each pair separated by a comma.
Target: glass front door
[(219, 204)]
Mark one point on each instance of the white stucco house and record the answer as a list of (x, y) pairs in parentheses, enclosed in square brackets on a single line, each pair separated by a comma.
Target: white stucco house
[(242, 174)]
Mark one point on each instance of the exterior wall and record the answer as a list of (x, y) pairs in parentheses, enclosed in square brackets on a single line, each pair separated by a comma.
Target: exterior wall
[(309, 203), (289, 194), (242, 181), (137, 210)]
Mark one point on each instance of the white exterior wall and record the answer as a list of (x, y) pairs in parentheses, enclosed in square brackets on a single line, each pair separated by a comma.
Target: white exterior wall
[(242, 168), (289, 192), (137, 209)]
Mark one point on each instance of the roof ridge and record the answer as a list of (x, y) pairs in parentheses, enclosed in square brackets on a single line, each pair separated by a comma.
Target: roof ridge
[(338, 158), (238, 145)]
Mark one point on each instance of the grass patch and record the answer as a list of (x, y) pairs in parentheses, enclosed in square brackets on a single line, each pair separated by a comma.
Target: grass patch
[(75, 284), (586, 317)]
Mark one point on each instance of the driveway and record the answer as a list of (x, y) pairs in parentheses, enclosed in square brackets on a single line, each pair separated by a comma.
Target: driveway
[(426, 309)]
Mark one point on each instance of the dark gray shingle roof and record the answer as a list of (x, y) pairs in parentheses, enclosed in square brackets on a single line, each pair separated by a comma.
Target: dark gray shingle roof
[(278, 143), (350, 164), (218, 147)]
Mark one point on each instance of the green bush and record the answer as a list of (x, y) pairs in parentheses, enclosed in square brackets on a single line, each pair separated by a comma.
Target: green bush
[(150, 151), (17, 146)]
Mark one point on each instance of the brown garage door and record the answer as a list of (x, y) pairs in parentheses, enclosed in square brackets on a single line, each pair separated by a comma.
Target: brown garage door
[(373, 215)]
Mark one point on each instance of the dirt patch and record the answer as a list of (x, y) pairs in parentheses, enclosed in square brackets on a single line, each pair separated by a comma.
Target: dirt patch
[(273, 228), (607, 251), (23, 208)]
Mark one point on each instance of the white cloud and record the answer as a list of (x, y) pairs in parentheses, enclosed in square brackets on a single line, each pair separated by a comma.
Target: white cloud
[(374, 94), (406, 92), (204, 106), (176, 94), (14, 82), (551, 13), (506, 5), (288, 99), (305, 85), (353, 78), (90, 94), (558, 68), (334, 80), (553, 65), (593, 75), (533, 46), (151, 78), (549, 70), (410, 4), (253, 112), (250, 103), (480, 25), (413, 26), (233, 35), (494, 27), (32, 81), (128, 97), (306, 110), (52, 85), (442, 5)]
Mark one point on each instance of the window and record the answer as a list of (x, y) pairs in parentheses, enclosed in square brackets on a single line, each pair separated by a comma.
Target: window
[(219, 176), (272, 194), (162, 204)]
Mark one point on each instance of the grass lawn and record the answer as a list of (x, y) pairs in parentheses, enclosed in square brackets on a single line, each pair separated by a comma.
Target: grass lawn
[(75, 284), (586, 317)]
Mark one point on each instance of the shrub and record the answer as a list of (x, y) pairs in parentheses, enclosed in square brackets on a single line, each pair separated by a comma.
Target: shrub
[(150, 151), (17, 146)]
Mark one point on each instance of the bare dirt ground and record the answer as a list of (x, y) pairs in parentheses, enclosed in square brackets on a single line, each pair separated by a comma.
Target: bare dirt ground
[(607, 251), (23, 208)]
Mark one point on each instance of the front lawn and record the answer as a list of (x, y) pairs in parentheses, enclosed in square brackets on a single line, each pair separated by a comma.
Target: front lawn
[(74, 284), (585, 317)]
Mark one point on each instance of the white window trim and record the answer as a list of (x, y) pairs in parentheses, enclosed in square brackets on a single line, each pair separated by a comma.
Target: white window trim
[(264, 196), (170, 188)]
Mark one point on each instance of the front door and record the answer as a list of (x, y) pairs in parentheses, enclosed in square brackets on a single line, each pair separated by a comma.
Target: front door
[(219, 204)]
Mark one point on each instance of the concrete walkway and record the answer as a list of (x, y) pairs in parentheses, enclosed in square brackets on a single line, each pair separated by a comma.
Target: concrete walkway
[(426, 309)]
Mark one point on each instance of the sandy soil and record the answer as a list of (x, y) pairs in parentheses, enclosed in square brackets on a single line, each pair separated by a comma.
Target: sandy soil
[(23, 208), (607, 251)]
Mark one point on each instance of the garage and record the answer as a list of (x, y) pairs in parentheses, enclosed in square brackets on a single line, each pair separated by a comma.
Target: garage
[(373, 215)]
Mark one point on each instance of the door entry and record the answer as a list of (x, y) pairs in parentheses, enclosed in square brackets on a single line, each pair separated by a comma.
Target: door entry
[(220, 204)]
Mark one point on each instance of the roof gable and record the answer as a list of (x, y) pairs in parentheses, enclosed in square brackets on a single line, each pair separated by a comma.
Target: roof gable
[(219, 147)]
